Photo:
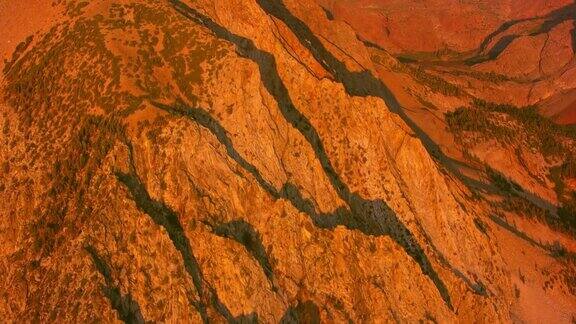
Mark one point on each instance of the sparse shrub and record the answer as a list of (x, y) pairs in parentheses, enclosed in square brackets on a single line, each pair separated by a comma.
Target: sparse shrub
[(567, 212), (435, 83), (557, 250), (509, 124), (504, 184)]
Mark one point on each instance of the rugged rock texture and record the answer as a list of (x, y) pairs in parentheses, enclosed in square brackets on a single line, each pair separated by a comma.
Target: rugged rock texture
[(436, 25), (513, 52), (262, 161)]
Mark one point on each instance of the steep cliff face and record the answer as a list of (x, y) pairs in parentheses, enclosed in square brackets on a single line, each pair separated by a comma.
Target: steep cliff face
[(513, 52), (245, 161)]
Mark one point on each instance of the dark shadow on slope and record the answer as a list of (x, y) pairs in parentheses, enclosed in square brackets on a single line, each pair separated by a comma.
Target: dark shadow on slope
[(306, 312), (369, 43), (245, 234), (495, 51), (204, 119), (476, 287), (556, 18), (328, 14), (361, 84), (555, 250), (574, 38), (356, 83), (502, 223), (165, 217), (127, 308), (370, 217), (551, 20), (504, 27)]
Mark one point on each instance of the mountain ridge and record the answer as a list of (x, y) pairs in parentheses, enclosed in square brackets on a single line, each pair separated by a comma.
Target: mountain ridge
[(234, 161)]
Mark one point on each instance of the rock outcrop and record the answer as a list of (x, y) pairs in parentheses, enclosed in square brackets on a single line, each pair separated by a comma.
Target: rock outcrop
[(255, 161)]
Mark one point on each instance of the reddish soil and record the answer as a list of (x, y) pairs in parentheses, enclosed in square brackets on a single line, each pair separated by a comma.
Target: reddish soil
[(427, 26), (20, 19), (279, 161)]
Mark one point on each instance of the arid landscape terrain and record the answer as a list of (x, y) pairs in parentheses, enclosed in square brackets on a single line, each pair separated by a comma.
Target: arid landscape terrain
[(288, 161)]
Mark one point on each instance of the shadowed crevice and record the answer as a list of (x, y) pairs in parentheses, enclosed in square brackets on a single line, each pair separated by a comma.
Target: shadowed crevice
[(551, 20), (328, 14), (370, 217), (502, 223), (127, 308), (556, 18), (555, 249), (204, 119), (362, 84), (475, 286), (495, 51), (245, 234), (368, 43), (306, 312), (165, 217), (574, 38), (504, 27), (275, 86)]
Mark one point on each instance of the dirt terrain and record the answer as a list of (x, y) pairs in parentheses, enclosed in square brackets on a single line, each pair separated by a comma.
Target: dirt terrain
[(291, 161)]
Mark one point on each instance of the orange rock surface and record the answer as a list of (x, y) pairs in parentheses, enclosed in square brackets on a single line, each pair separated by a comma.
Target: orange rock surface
[(263, 161)]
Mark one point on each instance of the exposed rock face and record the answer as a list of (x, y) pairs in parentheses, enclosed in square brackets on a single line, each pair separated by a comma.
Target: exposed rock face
[(251, 161), (428, 26), (514, 52)]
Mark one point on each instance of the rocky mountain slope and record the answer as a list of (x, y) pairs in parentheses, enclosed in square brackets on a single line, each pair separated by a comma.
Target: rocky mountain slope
[(282, 161)]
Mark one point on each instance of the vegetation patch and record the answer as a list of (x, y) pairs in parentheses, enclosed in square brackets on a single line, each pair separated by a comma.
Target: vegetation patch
[(524, 127), (513, 125), (504, 184), (435, 83), (483, 76)]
